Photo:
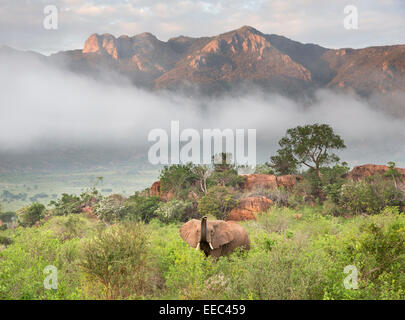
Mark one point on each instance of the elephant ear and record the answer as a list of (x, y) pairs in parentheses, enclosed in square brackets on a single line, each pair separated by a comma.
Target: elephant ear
[(222, 235), (190, 232)]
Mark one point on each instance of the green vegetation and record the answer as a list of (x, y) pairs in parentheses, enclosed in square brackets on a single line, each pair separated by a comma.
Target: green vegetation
[(217, 202), (119, 247), (178, 179), (310, 145), (30, 215), (175, 211), (369, 197), (116, 262), (290, 259), (142, 208)]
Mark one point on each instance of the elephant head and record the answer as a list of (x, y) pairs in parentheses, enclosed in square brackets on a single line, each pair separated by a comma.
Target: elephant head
[(216, 237)]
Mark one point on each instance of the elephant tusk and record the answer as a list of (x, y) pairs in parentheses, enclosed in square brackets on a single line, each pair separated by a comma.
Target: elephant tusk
[(211, 246), (198, 246)]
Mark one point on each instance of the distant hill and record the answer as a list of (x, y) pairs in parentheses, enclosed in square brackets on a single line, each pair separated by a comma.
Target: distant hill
[(239, 57), (242, 56)]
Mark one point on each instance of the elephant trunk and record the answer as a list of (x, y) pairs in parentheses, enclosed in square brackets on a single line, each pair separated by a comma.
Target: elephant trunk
[(203, 237)]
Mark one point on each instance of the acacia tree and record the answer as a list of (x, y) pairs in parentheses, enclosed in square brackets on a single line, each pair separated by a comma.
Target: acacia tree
[(310, 145), (202, 172), (393, 173)]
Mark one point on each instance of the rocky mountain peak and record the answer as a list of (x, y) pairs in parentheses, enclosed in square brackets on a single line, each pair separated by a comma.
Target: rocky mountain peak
[(102, 44), (246, 54), (243, 40), (246, 30)]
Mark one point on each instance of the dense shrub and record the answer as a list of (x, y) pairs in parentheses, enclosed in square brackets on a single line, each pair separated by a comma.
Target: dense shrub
[(332, 180), (90, 197), (226, 178), (5, 240), (141, 207), (111, 209), (22, 266), (278, 195), (369, 196), (117, 262), (376, 248), (70, 203), (67, 204), (284, 270), (69, 227), (217, 202), (28, 216), (320, 189), (174, 210), (178, 179)]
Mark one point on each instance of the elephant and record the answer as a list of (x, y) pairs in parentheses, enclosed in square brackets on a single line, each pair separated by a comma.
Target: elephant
[(216, 237)]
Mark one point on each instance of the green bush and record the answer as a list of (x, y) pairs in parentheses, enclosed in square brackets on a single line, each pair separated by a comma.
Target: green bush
[(226, 178), (376, 248), (369, 196), (178, 179), (283, 270), (5, 240), (332, 180), (320, 189), (70, 203), (117, 262), (67, 204), (217, 202), (174, 210), (224, 172), (69, 227), (22, 266), (279, 195), (111, 209), (28, 216), (141, 207)]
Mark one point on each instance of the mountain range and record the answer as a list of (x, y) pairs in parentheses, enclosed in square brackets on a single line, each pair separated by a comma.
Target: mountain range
[(236, 58)]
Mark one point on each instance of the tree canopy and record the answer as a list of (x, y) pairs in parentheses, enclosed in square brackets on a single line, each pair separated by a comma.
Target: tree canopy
[(309, 145)]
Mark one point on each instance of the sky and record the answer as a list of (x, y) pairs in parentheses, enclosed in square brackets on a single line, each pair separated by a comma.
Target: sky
[(380, 22)]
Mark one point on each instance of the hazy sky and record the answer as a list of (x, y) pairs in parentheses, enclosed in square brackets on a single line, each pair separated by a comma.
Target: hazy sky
[(381, 22)]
